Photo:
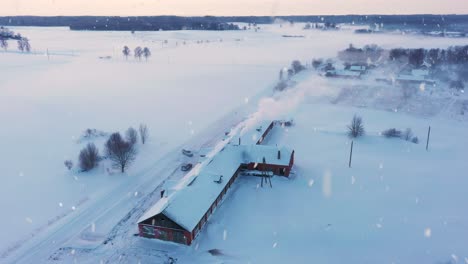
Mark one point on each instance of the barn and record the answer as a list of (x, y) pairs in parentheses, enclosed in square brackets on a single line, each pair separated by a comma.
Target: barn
[(180, 217)]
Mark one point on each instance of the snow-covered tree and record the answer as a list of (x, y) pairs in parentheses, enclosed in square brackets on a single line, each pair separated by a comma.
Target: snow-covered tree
[(143, 133), (3, 44), (407, 135), (23, 45), (122, 153), (20, 45), (89, 157), (26, 45), (68, 164), (138, 53), (126, 52), (131, 135), (356, 128), (146, 53)]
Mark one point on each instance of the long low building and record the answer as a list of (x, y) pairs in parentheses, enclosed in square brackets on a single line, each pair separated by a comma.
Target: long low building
[(181, 217)]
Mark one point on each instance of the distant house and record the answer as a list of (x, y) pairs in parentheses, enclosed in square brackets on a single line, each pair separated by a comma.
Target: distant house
[(358, 68), (344, 74), (420, 72), (417, 76), (181, 217)]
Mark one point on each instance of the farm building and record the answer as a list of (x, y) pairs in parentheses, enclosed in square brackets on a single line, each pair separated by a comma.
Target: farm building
[(358, 68), (345, 74), (180, 217)]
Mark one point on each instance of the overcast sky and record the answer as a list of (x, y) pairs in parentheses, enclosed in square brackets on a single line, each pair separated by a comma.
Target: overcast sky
[(230, 7)]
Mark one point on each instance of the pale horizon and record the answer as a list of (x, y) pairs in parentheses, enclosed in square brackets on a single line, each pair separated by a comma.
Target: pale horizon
[(228, 8)]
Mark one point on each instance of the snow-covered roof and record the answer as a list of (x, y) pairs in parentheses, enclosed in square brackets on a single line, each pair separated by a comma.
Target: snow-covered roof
[(256, 153), (420, 72), (357, 68), (347, 73), (190, 204), (413, 78), (409, 77), (253, 135)]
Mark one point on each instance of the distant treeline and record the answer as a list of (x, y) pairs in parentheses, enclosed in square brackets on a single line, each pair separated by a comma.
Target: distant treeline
[(142, 23), (417, 57)]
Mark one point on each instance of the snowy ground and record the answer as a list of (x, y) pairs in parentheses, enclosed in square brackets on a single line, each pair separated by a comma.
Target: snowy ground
[(189, 95)]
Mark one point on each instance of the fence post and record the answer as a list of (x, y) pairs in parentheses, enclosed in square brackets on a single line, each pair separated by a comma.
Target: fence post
[(428, 137)]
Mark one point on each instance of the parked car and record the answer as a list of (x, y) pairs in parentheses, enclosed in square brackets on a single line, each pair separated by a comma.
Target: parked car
[(186, 167), (187, 153)]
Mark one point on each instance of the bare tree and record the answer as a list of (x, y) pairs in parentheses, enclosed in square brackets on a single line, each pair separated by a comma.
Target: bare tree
[(126, 52), (131, 135), (146, 53), (407, 135), (3, 44), (297, 66), (143, 133), (138, 53), (89, 157), (356, 128), (68, 164), (26, 45), (20, 45), (392, 133), (122, 153)]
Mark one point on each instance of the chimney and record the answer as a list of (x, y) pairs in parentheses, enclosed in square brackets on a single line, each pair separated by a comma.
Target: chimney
[(239, 141), (279, 154)]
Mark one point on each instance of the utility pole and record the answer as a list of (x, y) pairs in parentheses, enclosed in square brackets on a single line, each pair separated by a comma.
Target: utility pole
[(428, 137), (351, 153)]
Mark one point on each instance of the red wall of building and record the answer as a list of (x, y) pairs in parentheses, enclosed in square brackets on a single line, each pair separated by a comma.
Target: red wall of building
[(272, 167), (163, 233)]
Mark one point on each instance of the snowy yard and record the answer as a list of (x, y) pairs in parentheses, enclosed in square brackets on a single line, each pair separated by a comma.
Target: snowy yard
[(397, 204)]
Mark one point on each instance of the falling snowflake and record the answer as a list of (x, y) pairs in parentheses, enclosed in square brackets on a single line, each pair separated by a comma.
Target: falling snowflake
[(275, 244), (29, 220), (73, 208), (224, 234), (60, 204), (246, 100), (422, 87), (93, 227), (311, 182), (353, 180), (427, 232)]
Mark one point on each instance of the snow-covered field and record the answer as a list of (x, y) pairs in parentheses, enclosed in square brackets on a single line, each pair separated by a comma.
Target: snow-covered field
[(398, 204)]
